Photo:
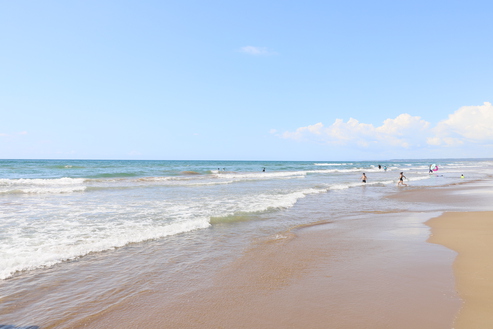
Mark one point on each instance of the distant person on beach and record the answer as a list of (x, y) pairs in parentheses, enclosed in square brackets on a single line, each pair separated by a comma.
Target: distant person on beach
[(385, 168), (263, 169), (462, 176), (430, 170), (401, 179), (379, 167), (363, 178)]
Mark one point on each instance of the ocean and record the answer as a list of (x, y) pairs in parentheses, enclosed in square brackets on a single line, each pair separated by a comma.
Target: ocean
[(112, 229)]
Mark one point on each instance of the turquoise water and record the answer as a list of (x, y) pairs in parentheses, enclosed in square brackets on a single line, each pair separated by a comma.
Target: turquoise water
[(54, 211)]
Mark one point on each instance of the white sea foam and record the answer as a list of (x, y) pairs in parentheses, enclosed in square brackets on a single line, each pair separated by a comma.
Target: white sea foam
[(343, 186), (418, 178), (213, 179), (44, 251), (262, 175), (30, 241), (332, 164), (462, 166), (342, 171), (43, 190), (40, 186), (41, 182)]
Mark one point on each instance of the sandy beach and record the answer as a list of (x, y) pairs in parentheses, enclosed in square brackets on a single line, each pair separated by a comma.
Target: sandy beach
[(321, 277), (470, 234), (376, 270)]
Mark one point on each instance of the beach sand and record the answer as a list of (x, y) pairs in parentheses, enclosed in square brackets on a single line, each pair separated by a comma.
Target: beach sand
[(372, 270), (470, 234), (326, 276)]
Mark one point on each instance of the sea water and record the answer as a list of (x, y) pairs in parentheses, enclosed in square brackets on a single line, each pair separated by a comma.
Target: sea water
[(57, 210), (69, 216)]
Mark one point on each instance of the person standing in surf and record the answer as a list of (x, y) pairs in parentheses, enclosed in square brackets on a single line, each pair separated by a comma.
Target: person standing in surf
[(363, 178), (401, 179)]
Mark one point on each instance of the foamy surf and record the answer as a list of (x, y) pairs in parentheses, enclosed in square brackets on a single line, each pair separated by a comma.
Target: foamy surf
[(78, 231), (48, 218), (40, 186), (47, 250)]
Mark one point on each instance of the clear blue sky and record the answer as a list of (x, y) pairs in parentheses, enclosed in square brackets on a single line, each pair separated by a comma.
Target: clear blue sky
[(246, 80)]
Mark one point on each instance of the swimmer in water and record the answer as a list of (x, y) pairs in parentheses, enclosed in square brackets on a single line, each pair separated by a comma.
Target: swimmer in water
[(401, 179), (363, 178)]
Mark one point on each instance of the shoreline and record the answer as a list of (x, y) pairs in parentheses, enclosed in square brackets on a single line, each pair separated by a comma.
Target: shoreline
[(367, 267), (373, 269), (341, 275), (386, 273)]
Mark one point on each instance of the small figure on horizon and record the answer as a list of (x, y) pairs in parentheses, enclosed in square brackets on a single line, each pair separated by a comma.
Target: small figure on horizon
[(430, 171), (363, 178), (224, 169), (401, 179), (263, 169), (385, 168), (462, 176), (379, 167)]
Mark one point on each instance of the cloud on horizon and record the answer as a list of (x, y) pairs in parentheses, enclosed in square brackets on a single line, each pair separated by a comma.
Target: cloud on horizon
[(469, 124), (256, 51)]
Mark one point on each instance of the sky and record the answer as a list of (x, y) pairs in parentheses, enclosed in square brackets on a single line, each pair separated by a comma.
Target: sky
[(246, 80)]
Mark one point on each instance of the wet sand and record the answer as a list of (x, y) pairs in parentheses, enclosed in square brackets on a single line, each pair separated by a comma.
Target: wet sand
[(372, 271)]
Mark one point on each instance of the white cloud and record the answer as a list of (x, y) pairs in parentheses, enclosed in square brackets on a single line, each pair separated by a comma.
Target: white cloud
[(256, 51), (468, 124), (393, 132), (3, 135), (300, 133), (402, 125), (351, 130)]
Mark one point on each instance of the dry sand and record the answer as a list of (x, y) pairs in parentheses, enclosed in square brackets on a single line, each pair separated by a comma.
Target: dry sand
[(471, 235)]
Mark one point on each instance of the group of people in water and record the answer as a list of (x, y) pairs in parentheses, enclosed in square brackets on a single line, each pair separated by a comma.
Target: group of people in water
[(400, 182), (431, 168), (401, 177), (364, 178)]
